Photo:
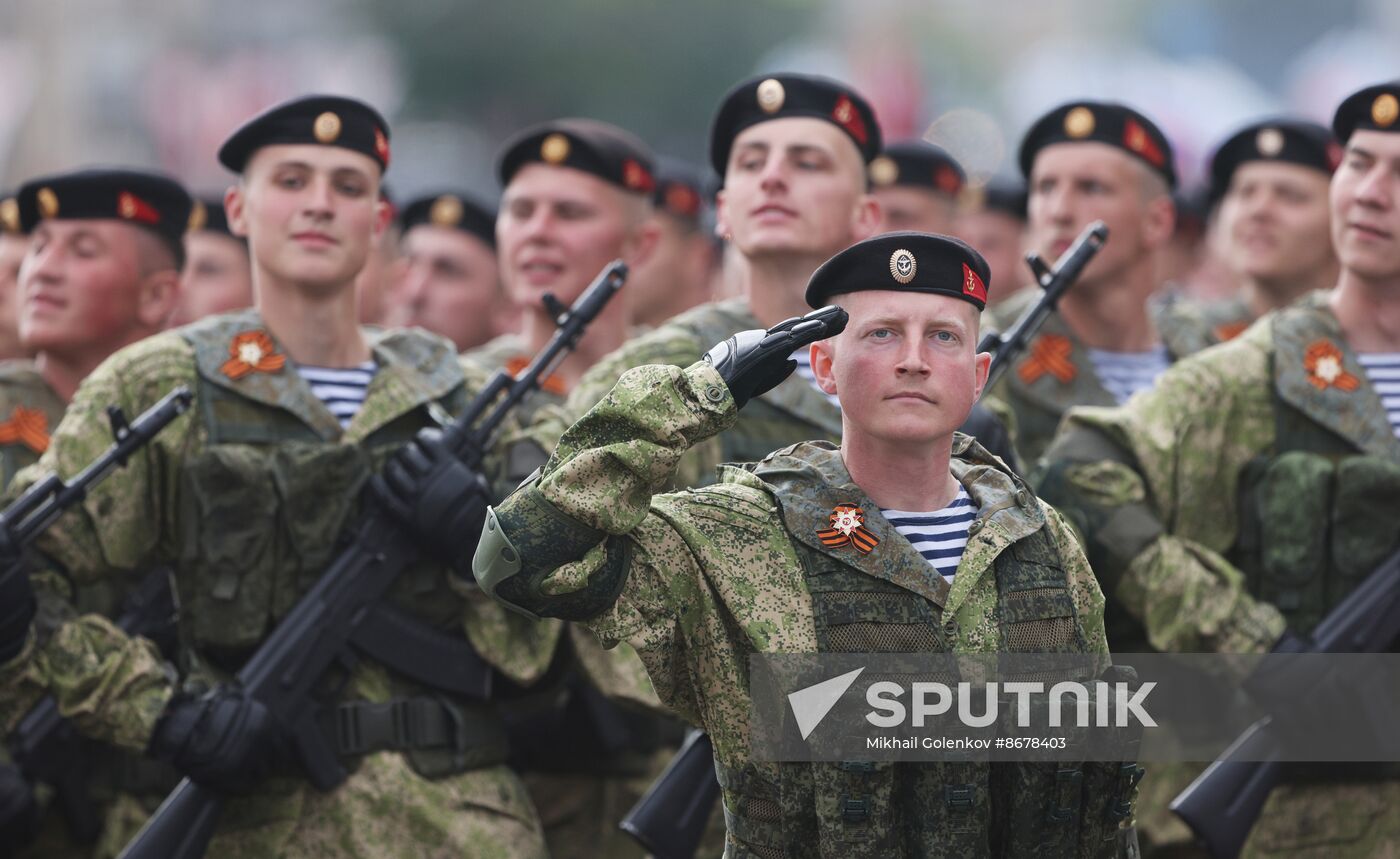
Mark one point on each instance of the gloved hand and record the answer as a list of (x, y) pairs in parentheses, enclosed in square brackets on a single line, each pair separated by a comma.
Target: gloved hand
[(223, 739), (434, 493), (17, 603), (754, 362)]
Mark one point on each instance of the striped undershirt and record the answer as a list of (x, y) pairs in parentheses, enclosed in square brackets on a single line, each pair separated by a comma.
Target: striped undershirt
[(1123, 374), (940, 536), (342, 389), (1383, 369), (803, 357)]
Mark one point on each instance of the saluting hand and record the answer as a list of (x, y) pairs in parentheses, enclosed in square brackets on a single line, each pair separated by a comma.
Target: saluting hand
[(754, 362)]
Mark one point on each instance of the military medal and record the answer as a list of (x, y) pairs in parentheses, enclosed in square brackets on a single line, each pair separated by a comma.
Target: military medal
[(1323, 361), (252, 351), (1049, 354), (29, 427), (848, 526)]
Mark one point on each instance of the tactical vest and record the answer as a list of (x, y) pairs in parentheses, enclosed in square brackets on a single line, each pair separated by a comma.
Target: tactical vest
[(262, 507), (964, 809), (1316, 514)]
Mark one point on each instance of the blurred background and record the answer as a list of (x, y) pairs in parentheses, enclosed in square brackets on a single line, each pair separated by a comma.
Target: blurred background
[(160, 83)]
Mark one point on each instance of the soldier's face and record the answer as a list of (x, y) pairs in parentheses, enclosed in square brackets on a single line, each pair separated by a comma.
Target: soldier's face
[(217, 277), (79, 284), (906, 368), (12, 248), (795, 187), (1365, 217), (906, 208), (309, 213), (1274, 221), (1074, 184), (557, 228), (448, 285)]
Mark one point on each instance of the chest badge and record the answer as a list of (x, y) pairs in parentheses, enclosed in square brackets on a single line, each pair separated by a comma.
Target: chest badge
[(848, 526), (1323, 361), (28, 427), (252, 352)]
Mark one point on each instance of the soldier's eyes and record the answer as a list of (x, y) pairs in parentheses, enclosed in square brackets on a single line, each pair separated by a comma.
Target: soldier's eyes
[(882, 334), (946, 336)]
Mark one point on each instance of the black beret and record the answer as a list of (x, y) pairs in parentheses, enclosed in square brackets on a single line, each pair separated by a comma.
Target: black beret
[(454, 210), (1294, 141), (148, 200), (208, 214), (999, 194), (904, 262), (919, 165), (1375, 108), (9, 215), (329, 120), (787, 95), (604, 150), (680, 192), (1101, 122)]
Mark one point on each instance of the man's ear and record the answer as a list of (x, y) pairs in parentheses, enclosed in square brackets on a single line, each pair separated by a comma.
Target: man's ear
[(641, 242), (823, 352), (233, 210), (1159, 221), (156, 298), (983, 364), (721, 216), (867, 220)]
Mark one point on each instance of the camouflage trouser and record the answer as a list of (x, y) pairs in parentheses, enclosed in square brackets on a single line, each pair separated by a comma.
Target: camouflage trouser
[(1329, 819)]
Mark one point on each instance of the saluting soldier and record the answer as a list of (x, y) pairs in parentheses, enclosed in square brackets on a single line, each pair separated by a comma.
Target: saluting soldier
[(217, 276), (1269, 180), (1256, 485), (700, 580), (917, 185), (450, 283), (245, 496), (1087, 161)]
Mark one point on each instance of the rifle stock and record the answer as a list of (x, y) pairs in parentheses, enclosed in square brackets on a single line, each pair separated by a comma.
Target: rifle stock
[(340, 614), (669, 820)]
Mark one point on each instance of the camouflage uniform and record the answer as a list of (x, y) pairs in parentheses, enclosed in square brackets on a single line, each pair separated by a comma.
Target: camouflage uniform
[(1250, 490), (29, 410), (699, 580), (1195, 325), (244, 497), (1040, 388)]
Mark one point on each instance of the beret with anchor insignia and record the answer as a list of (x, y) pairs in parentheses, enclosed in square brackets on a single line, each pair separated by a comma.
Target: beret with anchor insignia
[(1375, 108), (918, 164), (595, 147), (328, 120), (1293, 141), (452, 209), (788, 95), (904, 262), (147, 200), (1101, 122)]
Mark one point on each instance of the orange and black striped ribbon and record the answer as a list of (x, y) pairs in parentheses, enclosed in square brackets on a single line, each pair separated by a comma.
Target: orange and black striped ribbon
[(858, 535)]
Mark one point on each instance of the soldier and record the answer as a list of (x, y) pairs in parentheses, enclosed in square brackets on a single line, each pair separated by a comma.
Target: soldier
[(700, 580), (13, 243), (1202, 502), (296, 405), (1087, 161), (450, 283), (917, 185), (680, 274), (376, 280), (218, 276), (992, 218), (101, 272), (1269, 180)]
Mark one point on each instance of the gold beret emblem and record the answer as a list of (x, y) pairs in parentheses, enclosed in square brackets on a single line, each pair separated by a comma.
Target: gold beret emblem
[(1384, 110), (48, 203), (1269, 142), (555, 148), (884, 171), (199, 217), (126, 205), (771, 95), (446, 211), (903, 266), (9, 215), (326, 128), (1079, 122)]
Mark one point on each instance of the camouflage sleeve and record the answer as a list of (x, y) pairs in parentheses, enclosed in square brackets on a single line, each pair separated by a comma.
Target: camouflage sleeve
[(1151, 487), (599, 484), (112, 686), (1083, 587)]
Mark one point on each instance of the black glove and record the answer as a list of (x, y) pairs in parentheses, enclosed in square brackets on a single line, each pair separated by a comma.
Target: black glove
[(223, 739), (753, 362), (434, 493), (17, 603), (19, 814)]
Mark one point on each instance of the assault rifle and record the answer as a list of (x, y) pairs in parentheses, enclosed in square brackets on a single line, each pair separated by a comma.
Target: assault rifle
[(344, 614), (44, 745), (1006, 346), (1222, 804)]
